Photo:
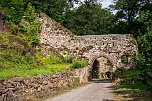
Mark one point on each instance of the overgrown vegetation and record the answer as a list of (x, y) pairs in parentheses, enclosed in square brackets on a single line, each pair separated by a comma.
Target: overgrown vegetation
[(130, 79), (17, 58), (131, 86), (18, 55), (21, 18), (15, 64), (88, 18), (79, 64)]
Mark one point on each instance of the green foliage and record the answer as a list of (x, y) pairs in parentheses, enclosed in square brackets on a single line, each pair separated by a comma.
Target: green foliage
[(145, 45), (144, 60), (67, 59), (135, 16), (126, 18), (30, 13), (52, 59), (31, 34), (126, 58), (13, 10), (48, 60), (79, 64), (54, 8), (22, 19), (88, 19), (24, 72), (30, 26), (12, 65), (131, 80), (12, 58), (4, 42), (136, 86), (145, 17), (130, 73)]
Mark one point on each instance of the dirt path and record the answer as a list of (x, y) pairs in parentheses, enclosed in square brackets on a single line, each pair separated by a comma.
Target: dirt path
[(96, 91)]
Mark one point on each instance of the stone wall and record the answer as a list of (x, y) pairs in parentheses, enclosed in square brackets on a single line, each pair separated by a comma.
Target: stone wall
[(104, 66), (36, 87), (56, 38)]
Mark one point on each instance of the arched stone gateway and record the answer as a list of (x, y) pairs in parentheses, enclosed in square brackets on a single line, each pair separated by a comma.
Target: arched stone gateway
[(102, 68), (114, 47)]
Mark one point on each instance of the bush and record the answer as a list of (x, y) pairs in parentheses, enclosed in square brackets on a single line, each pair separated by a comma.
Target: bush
[(67, 59), (79, 64), (10, 59), (30, 26), (54, 60)]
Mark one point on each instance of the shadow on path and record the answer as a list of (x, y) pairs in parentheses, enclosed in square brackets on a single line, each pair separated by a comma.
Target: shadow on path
[(101, 81)]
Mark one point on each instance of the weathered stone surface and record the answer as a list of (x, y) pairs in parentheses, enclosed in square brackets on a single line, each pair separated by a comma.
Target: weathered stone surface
[(20, 89), (56, 38)]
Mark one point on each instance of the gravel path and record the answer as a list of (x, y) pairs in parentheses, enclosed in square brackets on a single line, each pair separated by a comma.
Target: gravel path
[(96, 91)]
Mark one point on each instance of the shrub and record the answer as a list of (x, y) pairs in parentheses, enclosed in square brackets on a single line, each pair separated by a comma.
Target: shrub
[(67, 59), (30, 26), (79, 64), (54, 60)]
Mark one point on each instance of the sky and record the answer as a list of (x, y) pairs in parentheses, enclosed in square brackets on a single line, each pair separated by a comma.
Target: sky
[(106, 3)]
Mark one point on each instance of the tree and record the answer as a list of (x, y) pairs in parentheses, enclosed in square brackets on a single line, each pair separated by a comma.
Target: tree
[(13, 10), (144, 59), (88, 18), (128, 11), (53, 8), (29, 26)]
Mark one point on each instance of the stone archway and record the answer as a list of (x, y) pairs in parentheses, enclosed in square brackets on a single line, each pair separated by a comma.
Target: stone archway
[(102, 68), (95, 69)]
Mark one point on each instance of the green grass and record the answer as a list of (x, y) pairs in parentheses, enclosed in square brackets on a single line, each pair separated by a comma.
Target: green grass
[(13, 65), (18, 59), (79, 64), (136, 86), (16, 65), (130, 80), (24, 72), (130, 73)]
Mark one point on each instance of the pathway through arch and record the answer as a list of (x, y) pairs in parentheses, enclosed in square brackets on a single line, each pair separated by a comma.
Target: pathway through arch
[(102, 68), (98, 90)]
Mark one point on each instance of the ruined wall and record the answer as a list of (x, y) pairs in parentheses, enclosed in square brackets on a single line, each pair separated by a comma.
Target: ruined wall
[(110, 46), (37, 87), (55, 37)]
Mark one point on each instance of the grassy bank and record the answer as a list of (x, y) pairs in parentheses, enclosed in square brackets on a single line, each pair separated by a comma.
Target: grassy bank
[(131, 87), (17, 58), (24, 72)]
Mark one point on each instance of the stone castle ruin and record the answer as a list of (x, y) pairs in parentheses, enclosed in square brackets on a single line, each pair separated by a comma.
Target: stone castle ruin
[(104, 52)]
